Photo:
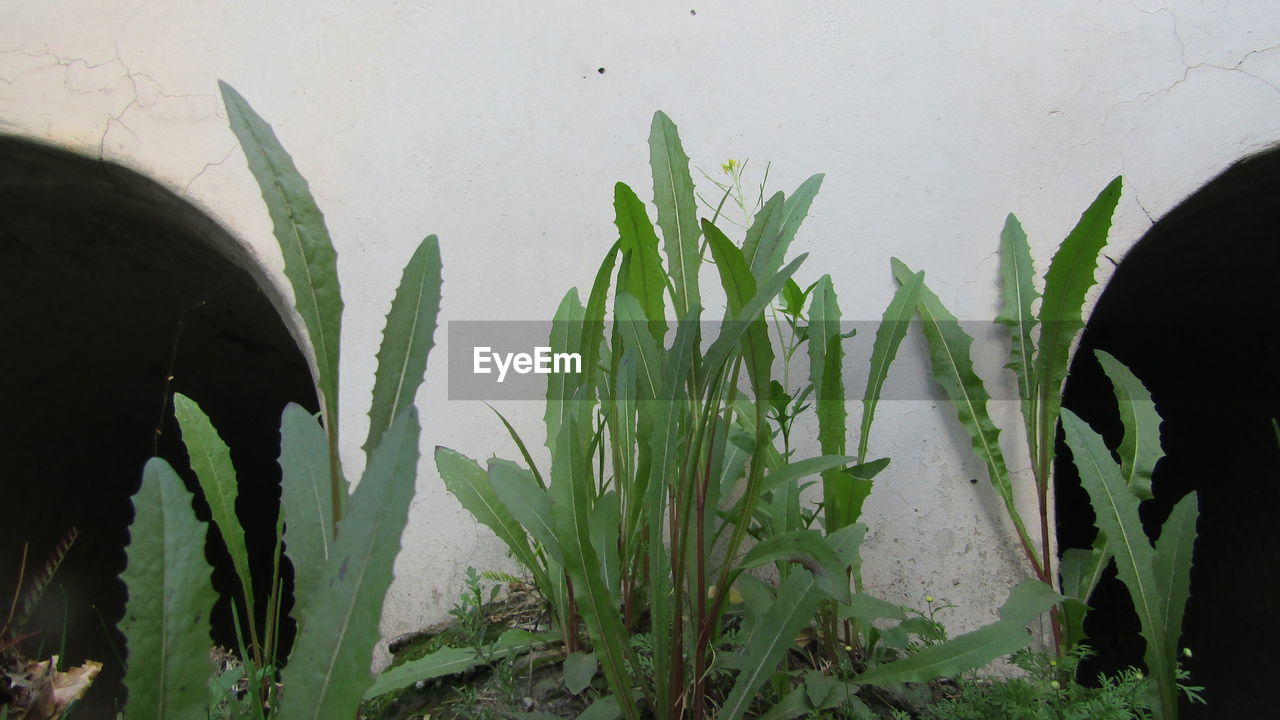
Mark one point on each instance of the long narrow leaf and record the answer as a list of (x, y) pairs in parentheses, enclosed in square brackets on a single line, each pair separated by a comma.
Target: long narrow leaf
[(644, 278), (470, 484), (953, 370), (1172, 563), (329, 670), (452, 661), (1140, 447), (762, 237), (305, 500), (166, 619), (1116, 509), (677, 215), (407, 339), (889, 335), (211, 462), (572, 496), (310, 261), (1070, 275), (1019, 291)]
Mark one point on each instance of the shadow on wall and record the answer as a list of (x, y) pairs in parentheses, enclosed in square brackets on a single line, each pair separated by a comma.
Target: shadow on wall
[(109, 286), (1193, 311)]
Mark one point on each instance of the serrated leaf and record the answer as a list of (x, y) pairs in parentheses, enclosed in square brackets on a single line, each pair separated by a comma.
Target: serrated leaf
[(407, 339), (645, 278), (329, 669), (211, 462), (310, 261), (469, 483), (518, 493), (1172, 569), (1019, 291), (677, 214), (953, 371), (889, 334), (166, 620), (762, 236), (1116, 510), (1070, 275), (740, 288), (305, 499), (1139, 449)]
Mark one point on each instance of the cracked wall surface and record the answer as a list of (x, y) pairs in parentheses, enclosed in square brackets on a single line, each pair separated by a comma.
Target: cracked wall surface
[(492, 126)]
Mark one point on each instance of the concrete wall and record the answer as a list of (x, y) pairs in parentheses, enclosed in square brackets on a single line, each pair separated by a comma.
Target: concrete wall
[(503, 126)]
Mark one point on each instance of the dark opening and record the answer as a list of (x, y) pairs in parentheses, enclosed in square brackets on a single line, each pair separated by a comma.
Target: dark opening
[(109, 286), (1193, 310)]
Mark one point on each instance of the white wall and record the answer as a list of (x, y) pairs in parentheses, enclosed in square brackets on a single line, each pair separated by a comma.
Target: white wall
[(489, 124)]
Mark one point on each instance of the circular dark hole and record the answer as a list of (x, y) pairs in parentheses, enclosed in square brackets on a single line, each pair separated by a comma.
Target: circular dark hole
[(114, 293), (1192, 311)]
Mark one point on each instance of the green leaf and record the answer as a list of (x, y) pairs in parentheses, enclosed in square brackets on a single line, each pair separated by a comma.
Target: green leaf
[(831, 692), (407, 338), (762, 238), (470, 484), (794, 471), (603, 524), (956, 656), (677, 213), (1140, 448), (774, 632), (1082, 568), (211, 462), (826, 358), (1070, 275), (566, 336), (889, 335), (1172, 569), (305, 499), (518, 493), (1116, 510), (452, 661), (1027, 601), (310, 261), (166, 619), (794, 212), (604, 708), (645, 278), (868, 608), (740, 287), (329, 670), (806, 548), (592, 336), (770, 640), (579, 668), (1019, 291), (953, 370), (572, 491), (720, 350)]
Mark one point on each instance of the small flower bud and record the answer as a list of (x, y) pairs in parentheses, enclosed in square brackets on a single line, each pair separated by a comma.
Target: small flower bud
[(1055, 684), (928, 599), (1186, 652)]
